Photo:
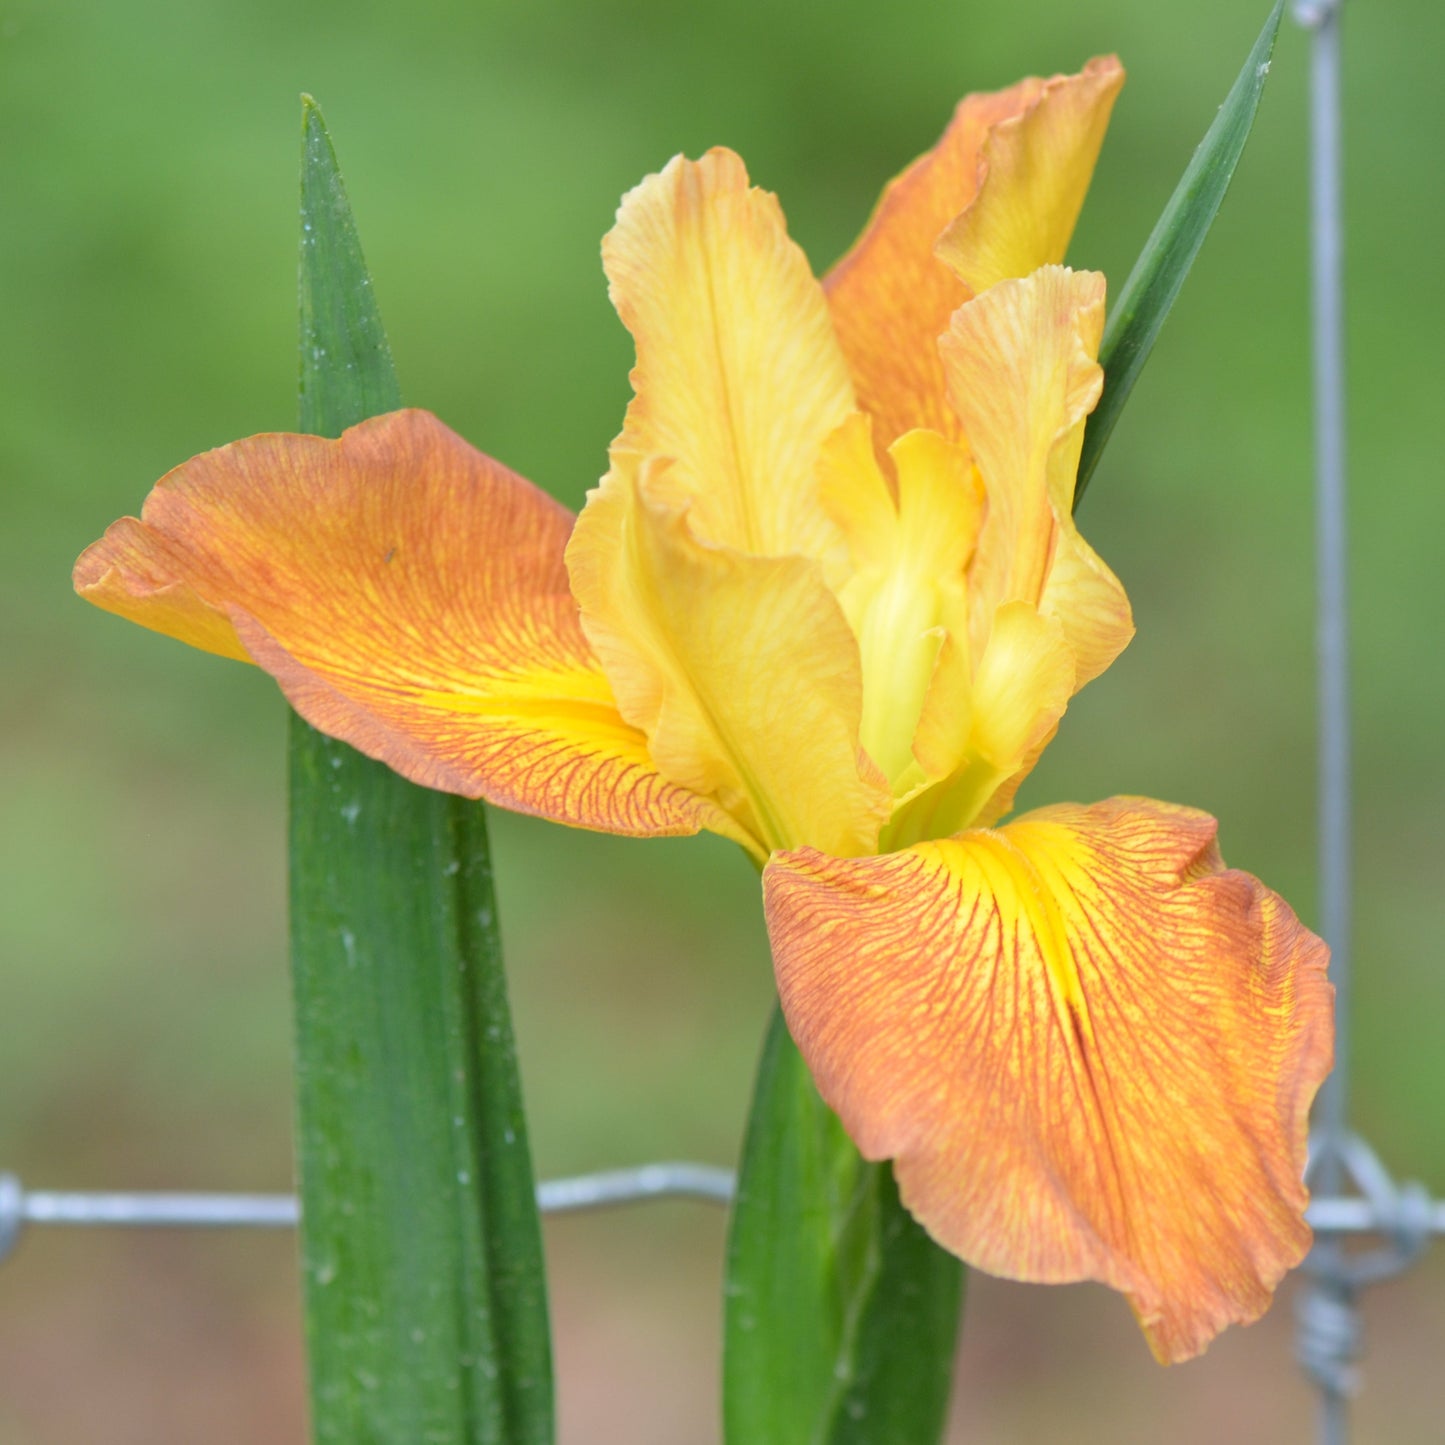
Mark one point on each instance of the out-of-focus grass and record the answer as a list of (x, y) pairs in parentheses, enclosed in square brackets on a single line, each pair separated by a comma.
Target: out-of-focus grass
[(147, 170)]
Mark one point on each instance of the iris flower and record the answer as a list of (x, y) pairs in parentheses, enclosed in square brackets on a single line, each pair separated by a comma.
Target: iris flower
[(829, 601)]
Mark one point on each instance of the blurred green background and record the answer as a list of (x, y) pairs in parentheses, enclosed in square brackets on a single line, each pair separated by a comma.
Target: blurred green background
[(148, 158)]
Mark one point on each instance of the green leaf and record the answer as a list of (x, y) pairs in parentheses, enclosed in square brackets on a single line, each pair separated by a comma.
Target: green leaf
[(841, 1313), (426, 1314), (346, 371), (1147, 296)]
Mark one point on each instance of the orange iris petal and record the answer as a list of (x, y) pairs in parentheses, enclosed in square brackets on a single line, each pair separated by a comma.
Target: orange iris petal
[(891, 296), (409, 595), (1088, 1046), (1035, 173)]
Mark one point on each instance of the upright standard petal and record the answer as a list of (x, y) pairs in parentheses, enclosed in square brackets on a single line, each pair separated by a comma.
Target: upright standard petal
[(1023, 377), (1045, 614), (891, 296), (1089, 1048), (1035, 171), (741, 670), (409, 595), (739, 377)]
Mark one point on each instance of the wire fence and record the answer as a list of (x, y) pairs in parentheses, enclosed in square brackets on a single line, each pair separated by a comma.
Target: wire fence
[(19, 1207), (1404, 1216), (1343, 1168), (1355, 1196)]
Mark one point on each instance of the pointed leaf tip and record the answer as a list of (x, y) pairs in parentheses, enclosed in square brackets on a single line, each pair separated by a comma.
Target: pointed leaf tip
[(346, 370), (1146, 297), (313, 123)]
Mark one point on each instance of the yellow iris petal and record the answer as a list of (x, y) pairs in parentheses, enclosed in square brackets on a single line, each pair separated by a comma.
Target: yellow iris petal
[(741, 670), (1023, 377), (1017, 695), (910, 537), (739, 376)]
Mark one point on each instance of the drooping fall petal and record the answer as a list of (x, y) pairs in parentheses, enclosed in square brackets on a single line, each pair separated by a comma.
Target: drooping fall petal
[(739, 376), (410, 596), (1035, 172), (891, 296), (1023, 377), (1089, 1048), (741, 670)]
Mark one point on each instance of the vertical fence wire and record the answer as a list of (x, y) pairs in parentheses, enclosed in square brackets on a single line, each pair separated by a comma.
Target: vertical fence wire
[(1332, 638), (1329, 1325)]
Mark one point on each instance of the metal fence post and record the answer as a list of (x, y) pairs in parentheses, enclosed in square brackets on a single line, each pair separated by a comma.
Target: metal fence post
[(1328, 1320)]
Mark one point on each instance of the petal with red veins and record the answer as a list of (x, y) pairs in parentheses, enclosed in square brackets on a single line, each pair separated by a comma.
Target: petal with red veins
[(410, 596), (1089, 1048)]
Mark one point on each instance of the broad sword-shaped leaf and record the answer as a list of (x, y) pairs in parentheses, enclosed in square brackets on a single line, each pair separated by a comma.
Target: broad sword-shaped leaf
[(1141, 306), (426, 1315)]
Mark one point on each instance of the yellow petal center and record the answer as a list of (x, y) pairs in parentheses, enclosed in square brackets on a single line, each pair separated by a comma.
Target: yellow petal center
[(910, 539)]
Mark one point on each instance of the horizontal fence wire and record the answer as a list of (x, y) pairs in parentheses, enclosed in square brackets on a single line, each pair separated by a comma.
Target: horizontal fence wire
[(20, 1207), (1408, 1212)]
